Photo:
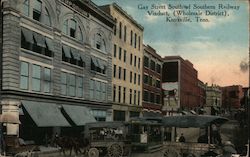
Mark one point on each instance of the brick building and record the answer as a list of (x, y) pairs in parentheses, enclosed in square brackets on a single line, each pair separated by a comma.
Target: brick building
[(180, 84), (232, 96), (152, 93), (55, 65)]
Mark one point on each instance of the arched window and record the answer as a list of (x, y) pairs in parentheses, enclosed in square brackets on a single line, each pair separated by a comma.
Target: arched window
[(26, 6), (47, 19), (37, 10), (99, 42), (72, 29)]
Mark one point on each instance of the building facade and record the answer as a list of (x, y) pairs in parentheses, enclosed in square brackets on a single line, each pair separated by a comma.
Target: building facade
[(180, 85), (127, 64), (152, 93), (202, 96), (213, 99), (232, 97), (55, 65)]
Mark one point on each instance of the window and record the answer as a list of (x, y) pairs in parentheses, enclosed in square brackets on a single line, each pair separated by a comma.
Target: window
[(120, 73), (24, 75), (37, 10), (114, 70), (120, 53), (72, 29), (150, 80), (158, 99), (158, 83), (79, 83), (98, 41), (131, 59), (115, 27), (91, 89), (119, 94), (145, 95), (152, 97), (131, 37), (104, 91), (134, 78), (63, 83), (139, 80), (124, 94), (47, 80), (114, 50), (152, 65), (47, 19), (131, 76), (114, 93), (26, 6), (72, 85), (124, 56), (130, 96), (139, 63), (120, 30), (146, 61), (158, 68), (139, 43), (135, 97), (125, 33), (139, 97), (124, 74), (135, 39), (98, 91), (135, 61), (145, 80), (36, 78)]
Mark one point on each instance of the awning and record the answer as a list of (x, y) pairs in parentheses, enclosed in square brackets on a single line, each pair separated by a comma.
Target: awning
[(28, 35), (49, 43), (75, 53), (80, 115), (45, 114), (66, 51), (102, 64), (40, 40), (95, 61)]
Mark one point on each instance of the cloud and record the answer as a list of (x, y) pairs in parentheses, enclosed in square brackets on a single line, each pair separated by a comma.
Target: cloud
[(244, 66), (215, 63)]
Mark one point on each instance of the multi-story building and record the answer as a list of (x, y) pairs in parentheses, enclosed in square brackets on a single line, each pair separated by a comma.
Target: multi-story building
[(232, 97), (55, 65), (180, 85), (213, 99), (127, 64), (152, 93)]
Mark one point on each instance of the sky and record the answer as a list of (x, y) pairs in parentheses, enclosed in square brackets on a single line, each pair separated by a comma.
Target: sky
[(218, 48)]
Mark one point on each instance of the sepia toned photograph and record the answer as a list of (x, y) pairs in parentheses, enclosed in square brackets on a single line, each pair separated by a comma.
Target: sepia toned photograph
[(124, 78)]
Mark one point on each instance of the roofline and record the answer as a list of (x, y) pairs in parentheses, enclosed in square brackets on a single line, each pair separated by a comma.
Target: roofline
[(123, 12)]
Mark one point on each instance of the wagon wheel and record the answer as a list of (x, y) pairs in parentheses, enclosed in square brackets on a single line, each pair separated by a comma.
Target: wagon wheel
[(171, 153), (93, 152), (115, 150)]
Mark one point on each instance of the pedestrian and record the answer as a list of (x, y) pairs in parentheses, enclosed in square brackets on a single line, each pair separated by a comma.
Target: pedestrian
[(182, 138)]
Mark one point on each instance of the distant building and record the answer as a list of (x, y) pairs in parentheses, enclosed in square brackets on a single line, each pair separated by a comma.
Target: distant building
[(202, 96), (232, 96), (127, 64), (180, 85), (152, 93), (213, 99)]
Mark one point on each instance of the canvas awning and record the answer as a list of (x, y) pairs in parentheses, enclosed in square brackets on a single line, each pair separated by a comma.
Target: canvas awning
[(40, 40), (28, 35), (45, 114), (49, 43), (95, 61), (80, 115), (75, 53), (66, 51)]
